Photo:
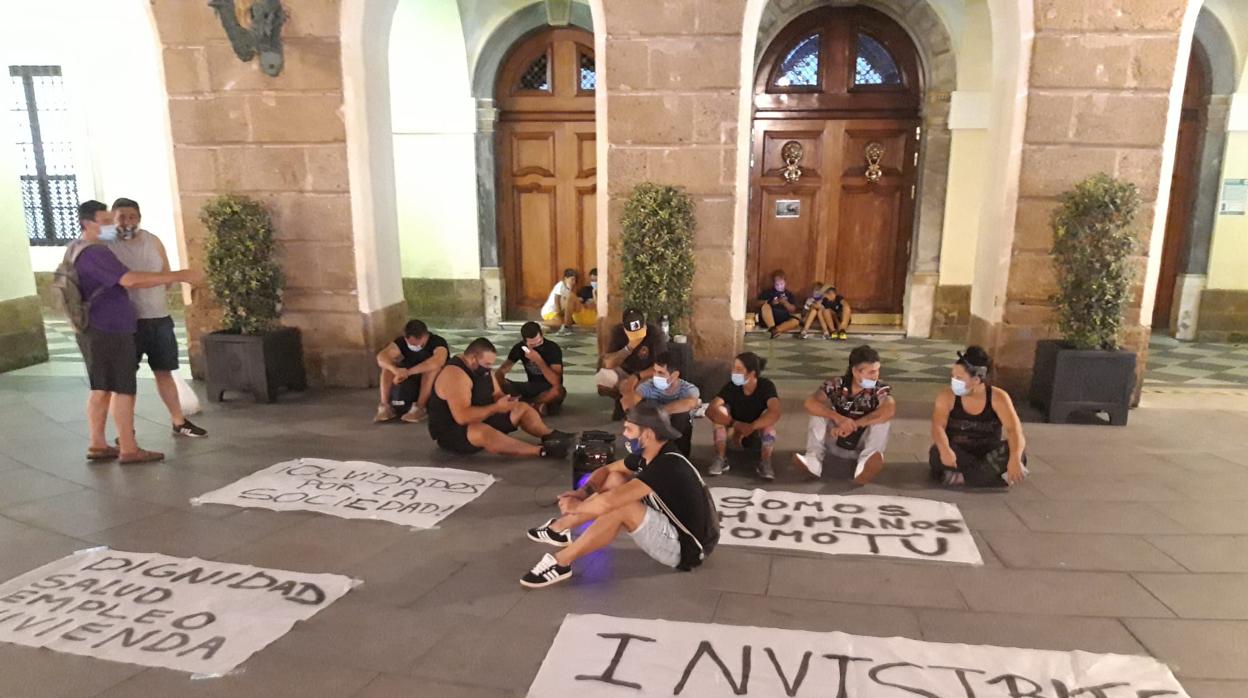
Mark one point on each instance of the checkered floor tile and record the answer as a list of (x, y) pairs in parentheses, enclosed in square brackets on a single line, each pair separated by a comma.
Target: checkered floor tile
[(1170, 362)]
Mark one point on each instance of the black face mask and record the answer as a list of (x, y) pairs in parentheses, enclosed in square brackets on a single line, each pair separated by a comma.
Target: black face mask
[(483, 371)]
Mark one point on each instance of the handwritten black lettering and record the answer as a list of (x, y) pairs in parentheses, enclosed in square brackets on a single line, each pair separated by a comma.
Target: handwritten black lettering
[(705, 649), (608, 676)]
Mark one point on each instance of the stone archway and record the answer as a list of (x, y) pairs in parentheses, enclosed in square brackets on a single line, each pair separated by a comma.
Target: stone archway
[(938, 62)]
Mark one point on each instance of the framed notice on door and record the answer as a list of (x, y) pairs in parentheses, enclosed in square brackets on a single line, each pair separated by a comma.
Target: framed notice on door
[(1234, 197), (788, 208)]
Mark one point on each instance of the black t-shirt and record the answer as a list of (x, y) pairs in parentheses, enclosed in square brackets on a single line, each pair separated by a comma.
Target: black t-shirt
[(747, 408), (586, 294), (413, 358), (551, 353), (836, 304), (679, 494), (771, 294), (642, 357)]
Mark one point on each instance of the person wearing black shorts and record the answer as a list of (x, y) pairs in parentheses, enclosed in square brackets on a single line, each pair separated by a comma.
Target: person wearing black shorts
[(409, 365), (469, 412), (543, 364)]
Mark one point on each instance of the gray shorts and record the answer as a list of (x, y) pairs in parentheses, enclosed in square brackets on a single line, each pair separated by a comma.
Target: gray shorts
[(657, 537)]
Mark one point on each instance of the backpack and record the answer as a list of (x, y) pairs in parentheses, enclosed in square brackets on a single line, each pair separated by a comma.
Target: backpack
[(68, 292), (712, 533)]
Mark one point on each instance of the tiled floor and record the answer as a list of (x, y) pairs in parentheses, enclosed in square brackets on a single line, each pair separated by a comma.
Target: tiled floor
[(1131, 539)]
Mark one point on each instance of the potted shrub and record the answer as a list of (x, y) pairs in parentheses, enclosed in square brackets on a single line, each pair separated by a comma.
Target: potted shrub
[(251, 353), (1087, 371), (657, 249)]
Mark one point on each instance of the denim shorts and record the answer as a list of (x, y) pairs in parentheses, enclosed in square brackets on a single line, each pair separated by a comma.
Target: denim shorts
[(657, 537)]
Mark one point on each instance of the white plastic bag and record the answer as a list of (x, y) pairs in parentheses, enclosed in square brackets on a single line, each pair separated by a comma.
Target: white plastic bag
[(186, 396)]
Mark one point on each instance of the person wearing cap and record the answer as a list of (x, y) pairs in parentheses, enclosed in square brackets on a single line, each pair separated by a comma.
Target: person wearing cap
[(543, 364), (978, 436), (630, 355), (655, 494), (849, 420), (673, 394)]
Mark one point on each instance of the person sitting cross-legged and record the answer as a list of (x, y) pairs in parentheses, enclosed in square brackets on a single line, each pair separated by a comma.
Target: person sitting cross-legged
[(967, 426), (469, 412), (409, 366), (676, 396), (655, 494), (849, 419), (629, 357), (586, 314), (779, 308), (543, 364), (749, 408)]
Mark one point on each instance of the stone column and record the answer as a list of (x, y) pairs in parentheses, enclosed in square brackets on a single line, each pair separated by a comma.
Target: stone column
[(1101, 79), (672, 78), (283, 141), (487, 222), (22, 341)]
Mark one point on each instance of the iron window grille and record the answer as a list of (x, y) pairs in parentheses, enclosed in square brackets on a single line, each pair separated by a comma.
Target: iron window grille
[(44, 133)]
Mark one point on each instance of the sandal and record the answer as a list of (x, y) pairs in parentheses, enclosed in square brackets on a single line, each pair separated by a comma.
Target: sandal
[(141, 456), (102, 454)]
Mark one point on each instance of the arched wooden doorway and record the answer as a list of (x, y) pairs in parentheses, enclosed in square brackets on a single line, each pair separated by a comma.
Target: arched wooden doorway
[(844, 85), (547, 165), (1186, 183)]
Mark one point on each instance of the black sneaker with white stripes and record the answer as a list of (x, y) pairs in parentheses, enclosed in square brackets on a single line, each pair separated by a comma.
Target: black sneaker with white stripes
[(549, 536), (188, 429), (546, 572)]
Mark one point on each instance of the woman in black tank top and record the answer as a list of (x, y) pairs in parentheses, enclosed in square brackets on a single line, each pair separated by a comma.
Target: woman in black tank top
[(978, 437)]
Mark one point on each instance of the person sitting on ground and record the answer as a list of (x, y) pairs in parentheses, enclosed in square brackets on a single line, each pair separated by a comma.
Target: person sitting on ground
[(629, 359), (836, 312), (469, 412), (849, 419), (409, 365), (749, 407), (676, 396), (543, 364), (814, 310), (561, 304), (107, 342), (587, 302), (779, 307), (967, 427), (655, 494)]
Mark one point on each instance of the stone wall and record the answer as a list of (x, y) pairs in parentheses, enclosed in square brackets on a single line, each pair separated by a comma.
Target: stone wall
[(22, 341), (458, 303), (1101, 75), (281, 140), (951, 314), (673, 73), (1223, 316)]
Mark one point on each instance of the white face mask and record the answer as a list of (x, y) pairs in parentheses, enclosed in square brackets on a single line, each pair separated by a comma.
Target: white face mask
[(108, 233), (867, 383), (661, 382), (415, 347), (959, 387), (738, 379), (128, 233)]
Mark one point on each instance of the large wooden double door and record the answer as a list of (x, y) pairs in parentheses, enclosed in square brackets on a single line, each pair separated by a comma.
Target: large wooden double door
[(547, 165), (834, 160)]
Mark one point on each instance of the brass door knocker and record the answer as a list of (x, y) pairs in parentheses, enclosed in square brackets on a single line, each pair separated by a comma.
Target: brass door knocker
[(874, 153), (792, 153)]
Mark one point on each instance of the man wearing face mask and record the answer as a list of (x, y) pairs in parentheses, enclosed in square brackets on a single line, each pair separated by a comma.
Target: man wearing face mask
[(409, 366), (978, 436), (469, 412), (655, 494), (543, 364), (849, 419), (139, 250), (108, 344), (671, 393), (587, 314), (630, 357)]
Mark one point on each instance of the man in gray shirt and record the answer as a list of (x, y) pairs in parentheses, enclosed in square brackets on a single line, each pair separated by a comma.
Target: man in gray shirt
[(139, 250)]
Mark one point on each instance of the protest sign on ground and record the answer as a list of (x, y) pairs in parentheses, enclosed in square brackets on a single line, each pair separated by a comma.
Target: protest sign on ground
[(905, 527), (187, 614), (411, 496)]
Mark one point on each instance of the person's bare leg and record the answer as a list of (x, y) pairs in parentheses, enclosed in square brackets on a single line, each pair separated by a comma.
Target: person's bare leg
[(604, 530), (568, 522), (786, 326), (168, 391), (825, 321), (526, 417), (811, 315), (384, 383), (551, 398), (498, 443), (97, 418), (768, 315), (426, 389), (122, 407), (844, 321), (722, 421)]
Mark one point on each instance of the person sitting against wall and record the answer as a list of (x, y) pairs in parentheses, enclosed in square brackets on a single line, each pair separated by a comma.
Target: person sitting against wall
[(978, 436), (814, 310), (837, 312), (586, 314), (629, 359), (849, 420), (747, 409), (469, 412), (561, 304), (409, 366), (674, 395), (779, 307), (543, 364)]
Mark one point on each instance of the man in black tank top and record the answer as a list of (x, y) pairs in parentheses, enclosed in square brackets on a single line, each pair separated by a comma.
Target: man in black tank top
[(468, 412), (978, 436)]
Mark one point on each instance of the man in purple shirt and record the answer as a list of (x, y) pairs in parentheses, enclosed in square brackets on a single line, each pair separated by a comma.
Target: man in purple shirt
[(108, 343)]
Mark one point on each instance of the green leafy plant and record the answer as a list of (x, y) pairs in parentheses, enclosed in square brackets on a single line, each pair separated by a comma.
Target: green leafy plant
[(1092, 248), (657, 245), (242, 274)]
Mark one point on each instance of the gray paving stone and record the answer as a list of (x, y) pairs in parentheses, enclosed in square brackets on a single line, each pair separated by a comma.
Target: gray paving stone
[(1206, 517), (399, 686), (1215, 596), (1056, 593), (463, 655), (1094, 517), (869, 582), (819, 616), (25, 484), (1044, 632), (40, 673), (1201, 649), (82, 512), (265, 674), (1197, 688), (1070, 551), (1206, 553)]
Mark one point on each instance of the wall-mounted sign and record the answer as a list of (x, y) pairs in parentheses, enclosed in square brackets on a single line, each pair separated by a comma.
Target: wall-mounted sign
[(788, 208), (1234, 197)]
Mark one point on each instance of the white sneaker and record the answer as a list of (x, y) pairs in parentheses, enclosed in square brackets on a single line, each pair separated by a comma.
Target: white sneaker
[(808, 463), (700, 411)]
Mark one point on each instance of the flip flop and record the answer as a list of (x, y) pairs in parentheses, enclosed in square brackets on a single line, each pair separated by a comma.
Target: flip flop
[(141, 456), (101, 454)]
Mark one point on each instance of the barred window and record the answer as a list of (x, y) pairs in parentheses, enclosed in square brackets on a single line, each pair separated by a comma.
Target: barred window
[(800, 68), (875, 65), (44, 133)]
